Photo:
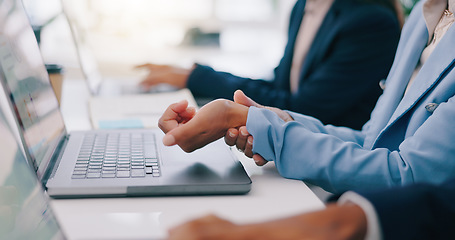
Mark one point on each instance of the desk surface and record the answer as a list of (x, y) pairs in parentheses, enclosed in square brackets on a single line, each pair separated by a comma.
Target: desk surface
[(271, 195)]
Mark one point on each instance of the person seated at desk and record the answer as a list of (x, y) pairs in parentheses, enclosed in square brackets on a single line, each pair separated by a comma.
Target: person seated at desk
[(408, 139), (336, 54), (420, 211)]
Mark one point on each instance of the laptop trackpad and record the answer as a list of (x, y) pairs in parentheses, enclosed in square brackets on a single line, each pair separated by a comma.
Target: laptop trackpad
[(215, 153)]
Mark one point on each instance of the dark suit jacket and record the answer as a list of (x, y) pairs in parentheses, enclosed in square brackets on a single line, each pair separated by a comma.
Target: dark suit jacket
[(352, 51), (420, 211)]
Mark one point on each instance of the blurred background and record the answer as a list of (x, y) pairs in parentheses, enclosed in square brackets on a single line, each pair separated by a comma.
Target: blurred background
[(245, 37)]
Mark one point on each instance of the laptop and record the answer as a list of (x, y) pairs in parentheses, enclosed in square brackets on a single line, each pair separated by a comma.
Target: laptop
[(26, 213), (98, 84), (119, 102), (98, 163)]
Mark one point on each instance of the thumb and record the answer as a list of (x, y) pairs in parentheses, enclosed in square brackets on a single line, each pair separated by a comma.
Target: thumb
[(241, 98), (182, 136), (175, 135), (169, 140)]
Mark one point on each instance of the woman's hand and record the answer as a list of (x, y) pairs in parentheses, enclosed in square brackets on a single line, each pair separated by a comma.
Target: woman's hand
[(240, 136), (192, 130)]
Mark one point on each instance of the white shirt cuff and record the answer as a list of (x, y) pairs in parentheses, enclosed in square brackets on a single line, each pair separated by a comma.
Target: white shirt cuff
[(373, 226)]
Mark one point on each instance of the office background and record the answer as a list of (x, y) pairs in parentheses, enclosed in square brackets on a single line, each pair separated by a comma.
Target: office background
[(246, 37)]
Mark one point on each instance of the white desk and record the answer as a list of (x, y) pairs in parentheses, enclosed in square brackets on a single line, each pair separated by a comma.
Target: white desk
[(271, 196)]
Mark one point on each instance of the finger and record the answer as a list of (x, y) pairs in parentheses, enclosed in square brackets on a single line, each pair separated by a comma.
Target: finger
[(208, 125), (210, 218), (188, 113), (241, 98), (170, 118), (151, 66), (149, 81), (241, 139), (231, 136), (259, 160), (142, 65), (249, 147), (184, 136), (169, 140), (152, 79), (178, 108)]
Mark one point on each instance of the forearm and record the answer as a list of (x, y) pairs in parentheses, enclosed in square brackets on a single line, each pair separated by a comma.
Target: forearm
[(316, 126), (321, 159), (204, 81), (334, 222), (337, 165)]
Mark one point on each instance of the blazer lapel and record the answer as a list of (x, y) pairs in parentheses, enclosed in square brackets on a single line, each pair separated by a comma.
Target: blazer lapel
[(430, 74), (412, 42), (406, 59)]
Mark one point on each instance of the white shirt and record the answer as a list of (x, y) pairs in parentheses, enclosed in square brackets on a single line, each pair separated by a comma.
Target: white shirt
[(438, 21), (314, 13)]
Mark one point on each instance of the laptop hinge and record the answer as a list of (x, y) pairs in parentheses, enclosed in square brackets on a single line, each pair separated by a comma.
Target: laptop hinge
[(55, 160)]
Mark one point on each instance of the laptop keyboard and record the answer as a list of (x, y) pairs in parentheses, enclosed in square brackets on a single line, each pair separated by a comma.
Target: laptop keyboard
[(117, 155)]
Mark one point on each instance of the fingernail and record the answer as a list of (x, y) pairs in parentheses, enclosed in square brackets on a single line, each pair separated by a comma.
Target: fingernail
[(244, 133), (168, 140), (231, 134), (250, 141)]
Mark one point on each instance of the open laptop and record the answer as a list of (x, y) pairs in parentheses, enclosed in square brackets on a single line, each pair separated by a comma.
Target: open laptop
[(99, 84), (25, 211), (98, 163), (119, 102)]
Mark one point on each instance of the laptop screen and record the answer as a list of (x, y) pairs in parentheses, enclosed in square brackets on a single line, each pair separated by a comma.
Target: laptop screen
[(87, 60), (24, 208), (26, 83)]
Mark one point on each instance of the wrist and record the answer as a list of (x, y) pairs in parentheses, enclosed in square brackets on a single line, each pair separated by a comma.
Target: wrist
[(237, 114)]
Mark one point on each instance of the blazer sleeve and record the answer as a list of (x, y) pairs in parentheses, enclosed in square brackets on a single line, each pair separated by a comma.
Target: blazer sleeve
[(309, 151), (419, 211), (347, 74)]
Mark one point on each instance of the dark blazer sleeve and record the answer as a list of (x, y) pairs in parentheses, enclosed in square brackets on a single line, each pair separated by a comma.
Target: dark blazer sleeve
[(204, 81), (340, 84), (420, 211)]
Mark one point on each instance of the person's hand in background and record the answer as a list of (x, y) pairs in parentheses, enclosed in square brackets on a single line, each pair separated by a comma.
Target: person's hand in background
[(346, 221), (159, 74)]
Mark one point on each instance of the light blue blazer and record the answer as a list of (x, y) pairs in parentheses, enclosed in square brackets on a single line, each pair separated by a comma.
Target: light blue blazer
[(409, 138)]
